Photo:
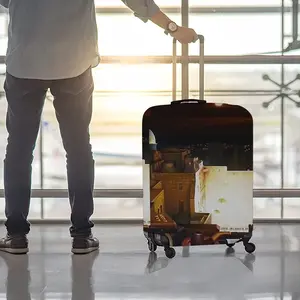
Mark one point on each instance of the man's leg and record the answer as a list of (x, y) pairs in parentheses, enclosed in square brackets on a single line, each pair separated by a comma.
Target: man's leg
[(25, 99), (73, 106)]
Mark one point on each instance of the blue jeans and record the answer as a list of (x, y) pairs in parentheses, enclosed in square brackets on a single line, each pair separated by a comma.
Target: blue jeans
[(73, 107)]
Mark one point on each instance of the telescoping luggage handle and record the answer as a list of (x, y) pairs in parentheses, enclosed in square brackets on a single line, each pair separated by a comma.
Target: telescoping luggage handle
[(200, 38)]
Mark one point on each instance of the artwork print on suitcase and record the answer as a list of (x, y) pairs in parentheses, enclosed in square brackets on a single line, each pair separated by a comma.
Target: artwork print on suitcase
[(197, 175)]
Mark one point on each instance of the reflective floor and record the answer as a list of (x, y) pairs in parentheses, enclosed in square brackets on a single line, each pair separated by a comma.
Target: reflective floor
[(123, 268)]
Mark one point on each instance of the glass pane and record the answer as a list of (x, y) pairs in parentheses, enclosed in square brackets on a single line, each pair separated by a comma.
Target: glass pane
[(142, 78), (148, 39), (128, 35), (115, 138), (111, 208), (3, 34), (116, 125), (267, 159), (235, 3), (35, 209), (236, 78), (291, 132), (266, 208), (291, 208), (231, 84), (3, 134), (36, 166), (224, 37), (105, 208), (54, 158)]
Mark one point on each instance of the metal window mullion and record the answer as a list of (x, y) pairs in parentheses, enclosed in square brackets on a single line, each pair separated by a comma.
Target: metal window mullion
[(185, 52), (139, 221), (194, 59), (210, 10), (282, 131), (41, 168), (138, 193)]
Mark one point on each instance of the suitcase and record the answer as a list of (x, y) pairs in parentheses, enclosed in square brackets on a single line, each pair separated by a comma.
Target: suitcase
[(197, 172)]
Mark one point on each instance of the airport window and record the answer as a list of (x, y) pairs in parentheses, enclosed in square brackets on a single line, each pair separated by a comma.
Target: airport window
[(124, 91)]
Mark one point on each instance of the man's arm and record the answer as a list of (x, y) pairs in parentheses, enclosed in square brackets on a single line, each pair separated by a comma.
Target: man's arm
[(143, 9), (148, 10)]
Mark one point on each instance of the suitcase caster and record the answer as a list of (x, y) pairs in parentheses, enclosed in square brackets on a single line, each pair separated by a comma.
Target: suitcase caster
[(250, 247), (151, 246), (170, 252), (229, 245)]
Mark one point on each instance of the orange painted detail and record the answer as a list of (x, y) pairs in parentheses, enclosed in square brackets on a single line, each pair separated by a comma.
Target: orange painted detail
[(186, 242), (218, 235)]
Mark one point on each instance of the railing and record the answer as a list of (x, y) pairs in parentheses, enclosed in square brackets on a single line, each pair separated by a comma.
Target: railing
[(185, 10), (193, 59), (205, 10), (138, 193), (197, 10)]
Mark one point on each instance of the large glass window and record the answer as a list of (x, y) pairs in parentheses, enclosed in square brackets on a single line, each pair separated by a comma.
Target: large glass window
[(116, 125), (124, 91), (105, 208), (233, 34), (226, 34), (128, 35)]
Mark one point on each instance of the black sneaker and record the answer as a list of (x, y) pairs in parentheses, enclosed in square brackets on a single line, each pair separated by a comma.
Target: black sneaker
[(84, 245), (15, 244)]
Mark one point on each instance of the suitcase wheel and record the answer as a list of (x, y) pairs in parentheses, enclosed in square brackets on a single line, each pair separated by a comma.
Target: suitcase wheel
[(229, 245), (250, 247), (170, 252), (151, 246)]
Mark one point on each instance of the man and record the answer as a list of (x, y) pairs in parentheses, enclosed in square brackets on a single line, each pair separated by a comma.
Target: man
[(52, 44)]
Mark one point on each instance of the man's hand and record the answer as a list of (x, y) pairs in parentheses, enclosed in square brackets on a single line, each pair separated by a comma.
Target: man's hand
[(182, 34), (185, 35)]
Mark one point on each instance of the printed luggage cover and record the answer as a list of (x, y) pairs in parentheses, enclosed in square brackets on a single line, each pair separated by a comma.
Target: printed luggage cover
[(198, 169)]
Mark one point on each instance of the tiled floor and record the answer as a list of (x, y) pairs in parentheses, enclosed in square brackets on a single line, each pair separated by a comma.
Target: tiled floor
[(123, 268)]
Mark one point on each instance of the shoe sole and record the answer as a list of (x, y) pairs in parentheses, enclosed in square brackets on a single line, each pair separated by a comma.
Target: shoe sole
[(84, 250), (15, 251)]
